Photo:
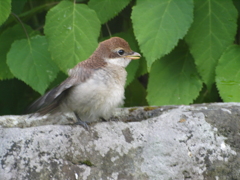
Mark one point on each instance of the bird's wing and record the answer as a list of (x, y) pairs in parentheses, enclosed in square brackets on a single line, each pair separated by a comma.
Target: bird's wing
[(50, 101)]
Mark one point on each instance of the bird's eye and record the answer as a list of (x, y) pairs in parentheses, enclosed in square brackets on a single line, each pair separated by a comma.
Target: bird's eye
[(121, 52)]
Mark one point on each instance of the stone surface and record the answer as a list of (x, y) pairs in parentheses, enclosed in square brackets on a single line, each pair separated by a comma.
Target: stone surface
[(171, 142)]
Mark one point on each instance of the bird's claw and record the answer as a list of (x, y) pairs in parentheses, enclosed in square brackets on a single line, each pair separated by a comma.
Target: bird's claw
[(82, 123)]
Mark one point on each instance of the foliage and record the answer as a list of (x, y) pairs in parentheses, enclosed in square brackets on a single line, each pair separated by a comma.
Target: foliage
[(190, 49), (156, 36), (228, 74), (212, 31), (71, 29), (177, 72), (34, 56)]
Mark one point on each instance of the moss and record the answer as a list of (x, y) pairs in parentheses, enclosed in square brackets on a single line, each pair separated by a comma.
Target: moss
[(87, 162), (149, 108), (132, 109)]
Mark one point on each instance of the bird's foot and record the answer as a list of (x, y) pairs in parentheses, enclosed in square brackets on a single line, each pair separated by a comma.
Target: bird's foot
[(82, 123)]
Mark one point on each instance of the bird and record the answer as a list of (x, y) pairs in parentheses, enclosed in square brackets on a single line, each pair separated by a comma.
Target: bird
[(94, 87)]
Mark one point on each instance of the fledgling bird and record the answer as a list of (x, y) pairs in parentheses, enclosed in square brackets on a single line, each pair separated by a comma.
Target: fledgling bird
[(94, 88)]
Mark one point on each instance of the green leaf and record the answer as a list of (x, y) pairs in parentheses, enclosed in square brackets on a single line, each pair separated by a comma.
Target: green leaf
[(30, 61), (228, 74), (237, 5), (72, 31), (142, 69), (8, 37), (135, 94), (213, 30), (107, 9), (18, 5), (158, 25), (173, 79), (5, 9), (208, 96)]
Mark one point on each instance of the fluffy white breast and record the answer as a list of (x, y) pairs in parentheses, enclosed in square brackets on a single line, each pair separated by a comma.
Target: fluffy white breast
[(99, 95)]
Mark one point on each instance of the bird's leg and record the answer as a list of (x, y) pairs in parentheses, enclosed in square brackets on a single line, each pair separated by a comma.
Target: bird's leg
[(82, 123)]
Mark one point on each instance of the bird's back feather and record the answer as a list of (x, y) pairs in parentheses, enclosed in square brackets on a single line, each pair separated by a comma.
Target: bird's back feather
[(52, 99)]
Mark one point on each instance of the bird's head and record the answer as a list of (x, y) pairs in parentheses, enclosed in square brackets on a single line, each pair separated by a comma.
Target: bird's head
[(116, 51)]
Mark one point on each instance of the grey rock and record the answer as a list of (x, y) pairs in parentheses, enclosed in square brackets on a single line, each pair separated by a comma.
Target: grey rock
[(170, 142)]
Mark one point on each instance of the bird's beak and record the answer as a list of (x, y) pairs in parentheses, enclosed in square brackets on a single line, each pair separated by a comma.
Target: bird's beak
[(134, 56)]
